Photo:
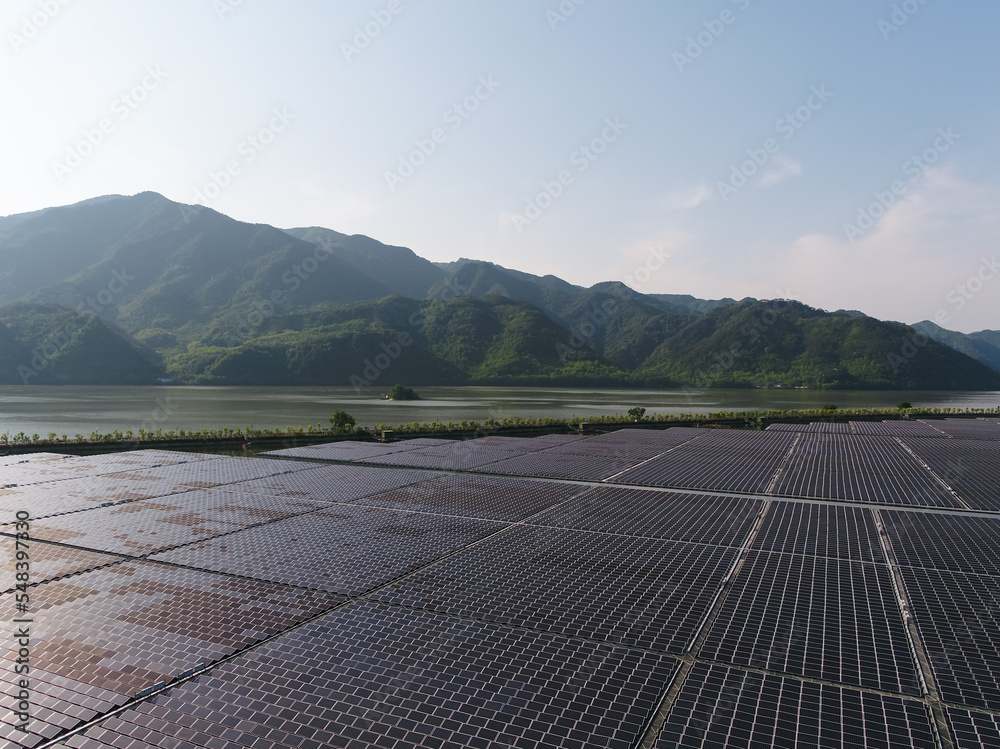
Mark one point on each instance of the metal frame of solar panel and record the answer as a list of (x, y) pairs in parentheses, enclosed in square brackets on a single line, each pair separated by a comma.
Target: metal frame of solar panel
[(974, 730), (820, 530), (960, 543)]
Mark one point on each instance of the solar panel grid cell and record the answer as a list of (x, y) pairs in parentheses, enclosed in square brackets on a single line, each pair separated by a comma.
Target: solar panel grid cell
[(632, 591), (371, 676), (817, 617), (331, 484), (970, 467), (476, 496), (958, 616), (820, 530), (945, 542), (344, 549), (974, 730), (639, 512), (734, 709)]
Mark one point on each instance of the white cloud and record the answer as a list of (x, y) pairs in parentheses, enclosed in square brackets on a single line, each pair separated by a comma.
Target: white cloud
[(783, 168), (690, 197)]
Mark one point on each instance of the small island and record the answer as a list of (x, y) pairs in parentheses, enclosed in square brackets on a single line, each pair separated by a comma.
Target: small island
[(402, 393)]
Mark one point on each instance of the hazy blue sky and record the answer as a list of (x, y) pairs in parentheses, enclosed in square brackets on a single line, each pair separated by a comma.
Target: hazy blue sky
[(320, 109)]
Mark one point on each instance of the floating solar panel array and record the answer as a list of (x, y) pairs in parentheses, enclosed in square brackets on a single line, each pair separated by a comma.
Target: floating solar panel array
[(832, 586)]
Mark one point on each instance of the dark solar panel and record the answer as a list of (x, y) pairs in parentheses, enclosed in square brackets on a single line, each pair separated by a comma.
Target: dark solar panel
[(101, 637), (895, 428), (151, 525), (970, 467), (820, 530), (972, 428), (344, 549), (959, 620), (974, 730), (544, 465), (817, 617), (875, 469), (332, 483), (460, 457), (73, 495), (477, 496), (633, 591), (70, 467), (721, 707), (675, 517), (371, 676), (945, 542)]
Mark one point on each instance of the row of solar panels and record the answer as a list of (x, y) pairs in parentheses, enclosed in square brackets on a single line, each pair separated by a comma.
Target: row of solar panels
[(508, 612)]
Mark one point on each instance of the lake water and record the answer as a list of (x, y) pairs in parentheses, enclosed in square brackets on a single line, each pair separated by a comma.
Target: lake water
[(81, 410)]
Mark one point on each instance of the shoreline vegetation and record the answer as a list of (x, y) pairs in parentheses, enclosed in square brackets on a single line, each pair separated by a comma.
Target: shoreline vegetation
[(342, 427)]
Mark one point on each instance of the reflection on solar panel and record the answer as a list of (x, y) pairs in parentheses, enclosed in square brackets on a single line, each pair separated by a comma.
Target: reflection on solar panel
[(811, 616), (959, 617), (345, 549), (101, 637), (618, 589), (142, 528), (820, 530), (674, 517), (945, 542), (477, 497), (373, 676), (48, 562), (497, 594), (726, 707), (973, 730)]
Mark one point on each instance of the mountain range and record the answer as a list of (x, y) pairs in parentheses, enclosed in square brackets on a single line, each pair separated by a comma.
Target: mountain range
[(137, 289)]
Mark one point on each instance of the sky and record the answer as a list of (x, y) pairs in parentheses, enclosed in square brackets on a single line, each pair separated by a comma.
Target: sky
[(843, 154)]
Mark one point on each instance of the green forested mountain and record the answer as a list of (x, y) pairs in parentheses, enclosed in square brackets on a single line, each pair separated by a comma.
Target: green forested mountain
[(983, 346), (125, 290)]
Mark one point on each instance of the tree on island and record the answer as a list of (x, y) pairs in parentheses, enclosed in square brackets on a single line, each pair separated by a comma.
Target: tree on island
[(403, 393)]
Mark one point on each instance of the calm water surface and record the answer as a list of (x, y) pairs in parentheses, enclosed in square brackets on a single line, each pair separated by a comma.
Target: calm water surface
[(81, 410)]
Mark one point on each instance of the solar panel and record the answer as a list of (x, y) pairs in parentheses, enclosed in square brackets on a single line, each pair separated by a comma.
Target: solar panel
[(618, 589), (477, 496), (876, 469), (733, 709), (344, 549), (970, 467), (368, 675), (219, 472), (346, 450), (101, 637), (653, 514), (544, 465), (945, 542), (816, 617), (48, 561), (974, 730), (73, 495), (151, 525), (974, 428), (959, 617), (332, 483), (820, 530)]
